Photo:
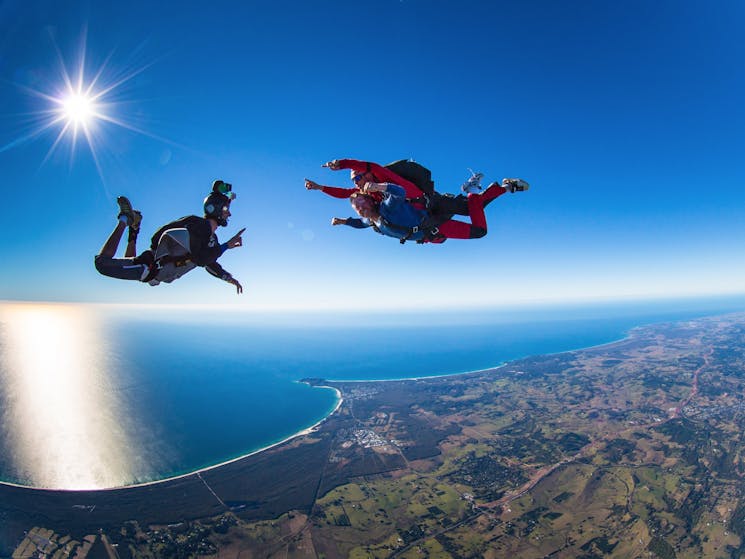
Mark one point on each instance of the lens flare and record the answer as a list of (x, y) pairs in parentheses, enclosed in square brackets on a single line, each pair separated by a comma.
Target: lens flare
[(84, 101)]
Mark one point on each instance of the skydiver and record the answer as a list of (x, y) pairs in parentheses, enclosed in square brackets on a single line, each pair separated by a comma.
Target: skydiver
[(176, 248), (415, 179), (396, 217), (397, 207)]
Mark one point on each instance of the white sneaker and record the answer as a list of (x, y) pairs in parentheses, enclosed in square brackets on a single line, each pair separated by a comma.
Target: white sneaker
[(515, 185), (473, 184)]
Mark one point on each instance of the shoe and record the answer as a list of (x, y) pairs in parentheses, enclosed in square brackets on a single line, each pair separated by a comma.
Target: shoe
[(473, 184), (134, 218), (515, 185)]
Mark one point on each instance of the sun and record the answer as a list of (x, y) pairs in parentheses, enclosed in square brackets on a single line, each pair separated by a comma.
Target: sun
[(79, 109), (83, 106)]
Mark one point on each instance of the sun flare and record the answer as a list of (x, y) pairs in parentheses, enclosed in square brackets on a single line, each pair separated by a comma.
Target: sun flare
[(79, 109), (83, 103)]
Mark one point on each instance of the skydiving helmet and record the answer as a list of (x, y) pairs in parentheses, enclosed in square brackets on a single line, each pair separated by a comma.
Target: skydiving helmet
[(218, 200)]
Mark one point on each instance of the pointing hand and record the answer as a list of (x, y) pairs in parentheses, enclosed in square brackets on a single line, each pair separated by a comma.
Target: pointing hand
[(333, 165), (236, 240)]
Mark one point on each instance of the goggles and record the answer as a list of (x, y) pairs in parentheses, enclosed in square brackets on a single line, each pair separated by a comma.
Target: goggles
[(357, 178)]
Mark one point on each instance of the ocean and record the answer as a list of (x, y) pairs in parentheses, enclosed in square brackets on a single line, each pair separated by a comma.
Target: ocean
[(97, 397)]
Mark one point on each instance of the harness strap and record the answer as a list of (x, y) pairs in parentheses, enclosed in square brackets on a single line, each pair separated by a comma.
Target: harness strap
[(157, 265), (429, 224), (152, 273)]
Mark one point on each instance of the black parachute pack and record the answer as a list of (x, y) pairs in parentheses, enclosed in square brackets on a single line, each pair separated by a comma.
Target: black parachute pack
[(413, 172), (436, 203)]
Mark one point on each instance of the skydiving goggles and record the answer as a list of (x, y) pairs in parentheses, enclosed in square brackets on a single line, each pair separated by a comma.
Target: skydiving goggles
[(357, 178)]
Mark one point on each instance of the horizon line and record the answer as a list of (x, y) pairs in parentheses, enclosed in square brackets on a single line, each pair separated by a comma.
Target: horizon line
[(276, 309)]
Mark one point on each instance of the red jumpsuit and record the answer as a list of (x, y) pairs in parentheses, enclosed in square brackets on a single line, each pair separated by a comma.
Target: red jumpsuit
[(379, 173)]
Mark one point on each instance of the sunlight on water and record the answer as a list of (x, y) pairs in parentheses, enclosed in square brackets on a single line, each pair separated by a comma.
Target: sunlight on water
[(61, 418)]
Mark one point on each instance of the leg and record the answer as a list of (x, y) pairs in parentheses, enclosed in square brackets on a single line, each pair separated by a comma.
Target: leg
[(476, 203), (131, 250), (447, 204), (128, 267), (112, 243), (492, 193), (121, 268), (453, 229), (133, 219)]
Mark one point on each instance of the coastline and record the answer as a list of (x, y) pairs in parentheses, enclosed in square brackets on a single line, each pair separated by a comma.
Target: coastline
[(340, 400), (627, 335), (304, 432)]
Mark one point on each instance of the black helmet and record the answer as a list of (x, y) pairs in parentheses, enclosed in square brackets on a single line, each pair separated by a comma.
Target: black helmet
[(214, 205)]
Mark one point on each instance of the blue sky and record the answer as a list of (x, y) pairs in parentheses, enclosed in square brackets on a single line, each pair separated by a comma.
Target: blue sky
[(625, 118)]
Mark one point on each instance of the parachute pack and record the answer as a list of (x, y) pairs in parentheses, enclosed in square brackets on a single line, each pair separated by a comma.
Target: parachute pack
[(171, 257), (413, 172)]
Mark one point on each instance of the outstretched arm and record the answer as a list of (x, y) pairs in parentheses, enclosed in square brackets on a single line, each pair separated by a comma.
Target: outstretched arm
[(219, 272), (382, 174), (335, 191), (351, 222)]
